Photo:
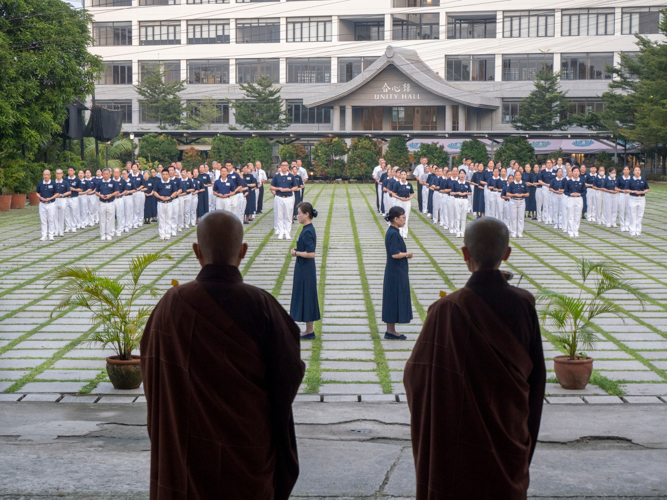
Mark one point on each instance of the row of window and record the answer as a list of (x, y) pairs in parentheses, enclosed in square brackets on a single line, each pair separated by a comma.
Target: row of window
[(297, 112), (464, 68), (510, 111)]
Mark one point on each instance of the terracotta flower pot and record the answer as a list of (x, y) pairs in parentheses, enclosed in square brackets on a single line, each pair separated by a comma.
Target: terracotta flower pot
[(573, 374), (33, 198), (18, 201), (124, 374), (5, 202)]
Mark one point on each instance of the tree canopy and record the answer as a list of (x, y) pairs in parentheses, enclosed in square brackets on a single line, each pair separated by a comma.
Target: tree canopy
[(163, 104), (475, 150), (261, 107), (362, 157), (515, 148), (435, 153), (397, 154), (545, 105), (160, 148)]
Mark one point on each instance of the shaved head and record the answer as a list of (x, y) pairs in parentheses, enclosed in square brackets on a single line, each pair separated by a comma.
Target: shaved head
[(486, 243), (220, 239)]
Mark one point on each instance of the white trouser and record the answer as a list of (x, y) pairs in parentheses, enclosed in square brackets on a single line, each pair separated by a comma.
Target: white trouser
[(129, 211), (444, 210), (566, 213), (546, 208), (84, 218), (610, 208), (451, 207), (501, 209), (461, 212), (72, 213), (436, 207), (120, 215), (223, 203), (407, 206), (425, 191), (494, 201), (506, 213), (387, 200), (47, 217), (574, 212), (234, 204), (284, 208), (187, 210), (623, 210), (106, 216), (181, 210), (240, 209), (470, 200), (636, 205), (139, 198), (61, 205), (193, 208), (95, 208), (487, 200), (599, 200), (558, 209), (517, 212), (212, 200), (591, 202), (174, 217), (165, 217), (538, 202), (378, 194)]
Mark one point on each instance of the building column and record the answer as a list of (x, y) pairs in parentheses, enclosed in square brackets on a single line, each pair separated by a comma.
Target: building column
[(232, 116), (556, 62), (184, 70), (618, 20), (463, 118), (283, 29), (283, 70), (336, 118), (184, 32), (499, 68), (334, 70), (232, 31), (448, 118), (334, 28), (388, 28), (558, 23), (232, 71), (443, 26), (348, 118), (499, 24)]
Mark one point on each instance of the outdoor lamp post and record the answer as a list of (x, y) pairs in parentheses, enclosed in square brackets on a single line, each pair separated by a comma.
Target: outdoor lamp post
[(132, 146), (106, 150)]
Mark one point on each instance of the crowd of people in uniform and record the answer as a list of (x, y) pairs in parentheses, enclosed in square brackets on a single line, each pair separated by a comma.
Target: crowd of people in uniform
[(121, 199)]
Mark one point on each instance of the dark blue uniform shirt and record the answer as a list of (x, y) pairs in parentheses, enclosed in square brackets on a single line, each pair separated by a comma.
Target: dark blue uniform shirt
[(46, 190), (404, 190), (286, 181), (165, 188), (62, 187), (107, 187), (461, 187), (74, 183), (224, 187), (557, 185), (572, 186), (517, 188), (638, 185), (622, 183)]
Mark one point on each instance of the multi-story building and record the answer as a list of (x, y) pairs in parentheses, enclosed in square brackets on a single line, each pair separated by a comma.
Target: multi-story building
[(403, 65)]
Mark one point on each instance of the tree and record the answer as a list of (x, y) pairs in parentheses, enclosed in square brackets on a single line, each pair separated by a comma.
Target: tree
[(261, 108), (202, 114), (257, 149), (515, 148), (163, 104), (435, 153), (545, 105), (44, 66), (475, 150), (160, 148), (397, 154), (327, 157), (119, 150), (191, 158), (362, 157), (224, 147), (292, 152)]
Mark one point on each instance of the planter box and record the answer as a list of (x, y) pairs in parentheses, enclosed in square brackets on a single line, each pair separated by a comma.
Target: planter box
[(5, 202), (18, 201), (33, 198)]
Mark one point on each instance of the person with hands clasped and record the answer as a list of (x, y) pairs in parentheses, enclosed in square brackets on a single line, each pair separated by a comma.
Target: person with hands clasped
[(517, 191), (404, 192)]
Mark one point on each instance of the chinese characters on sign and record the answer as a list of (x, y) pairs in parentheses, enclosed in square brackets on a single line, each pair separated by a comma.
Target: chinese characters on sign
[(391, 92)]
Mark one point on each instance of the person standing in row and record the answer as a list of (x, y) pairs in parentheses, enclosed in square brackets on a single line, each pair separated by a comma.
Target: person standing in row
[(304, 306), (435, 188), (138, 197), (236, 200), (508, 205), (283, 186), (518, 192), (197, 196), (189, 200), (62, 188), (530, 179), (207, 187), (119, 204), (599, 193), (128, 200), (107, 192), (375, 175), (92, 198), (251, 203), (583, 176), (386, 189), (72, 210), (417, 173), (223, 190), (591, 198), (623, 187), (303, 174), (261, 179), (150, 201), (166, 193), (610, 195), (176, 182), (298, 194), (423, 185), (574, 190), (460, 191), (396, 301), (452, 200), (545, 181), (502, 191), (47, 209), (83, 200), (214, 175), (494, 188), (403, 194), (477, 180), (637, 202), (557, 188)]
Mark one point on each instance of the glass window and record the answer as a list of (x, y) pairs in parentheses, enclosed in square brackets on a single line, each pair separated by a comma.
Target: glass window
[(416, 26), (640, 20), (458, 28), (125, 106), (510, 111), (298, 113), (171, 69), (309, 70), (309, 29), (205, 71), (528, 23), (247, 70), (587, 22), (160, 33), (258, 31), (584, 106), (416, 3), (107, 3), (518, 67), (116, 73), (147, 114), (223, 116), (253, 1), (206, 1), (351, 67), (159, 2), (478, 68), (208, 32), (369, 31), (112, 33), (586, 66)]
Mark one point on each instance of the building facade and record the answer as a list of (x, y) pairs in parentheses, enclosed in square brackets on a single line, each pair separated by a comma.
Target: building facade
[(390, 65)]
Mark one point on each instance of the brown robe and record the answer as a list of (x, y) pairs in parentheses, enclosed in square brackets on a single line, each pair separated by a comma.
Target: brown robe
[(475, 384), (221, 365)]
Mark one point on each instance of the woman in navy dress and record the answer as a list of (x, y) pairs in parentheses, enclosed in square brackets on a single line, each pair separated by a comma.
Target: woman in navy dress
[(250, 198), (298, 197), (150, 203), (530, 179), (305, 306), (478, 194), (396, 301), (201, 192)]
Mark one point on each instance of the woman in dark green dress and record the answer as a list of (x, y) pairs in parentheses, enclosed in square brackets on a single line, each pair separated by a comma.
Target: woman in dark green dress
[(305, 306), (396, 301)]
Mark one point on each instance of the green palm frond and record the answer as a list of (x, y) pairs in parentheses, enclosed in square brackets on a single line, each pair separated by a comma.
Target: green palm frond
[(139, 264)]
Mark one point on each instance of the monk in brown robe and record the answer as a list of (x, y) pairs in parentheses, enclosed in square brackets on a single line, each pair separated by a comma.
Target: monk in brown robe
[(221, 365), (475, 381)]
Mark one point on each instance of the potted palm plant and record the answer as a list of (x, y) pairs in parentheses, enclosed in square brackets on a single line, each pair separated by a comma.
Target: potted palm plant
[(119, 320), (572, 318)]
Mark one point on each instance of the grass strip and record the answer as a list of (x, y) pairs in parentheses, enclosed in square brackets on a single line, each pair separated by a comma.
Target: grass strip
[(378, 350)]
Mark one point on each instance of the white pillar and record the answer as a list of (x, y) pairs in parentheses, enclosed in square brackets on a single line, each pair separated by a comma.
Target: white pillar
[(283, 29), (334, 28), (184, 70), (499, 68), (336, 118), (557, 62), (232, 71), (558, 23), (443, 26), (448, 118), (184, 32), (283, 70), (618, 18), (463, 111), (499, 24), (388, 27), (348, 118), (334, 70), (232, 31)]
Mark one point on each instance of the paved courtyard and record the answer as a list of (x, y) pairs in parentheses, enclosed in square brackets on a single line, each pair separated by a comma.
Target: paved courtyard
[(44, 355)]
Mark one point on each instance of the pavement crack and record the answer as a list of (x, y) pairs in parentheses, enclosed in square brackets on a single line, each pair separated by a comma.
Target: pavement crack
[(380, 492)]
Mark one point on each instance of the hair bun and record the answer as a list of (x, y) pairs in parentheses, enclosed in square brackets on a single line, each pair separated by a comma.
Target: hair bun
[(387, 218), (314, 213)]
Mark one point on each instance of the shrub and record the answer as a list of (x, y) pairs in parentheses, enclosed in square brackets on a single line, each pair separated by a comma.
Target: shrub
[(435, 153), (257, 149), (191, 158), (362, 158), (224, 147), (327, 157), (397, 154), (160, 148), (515, 148), (473, 149)]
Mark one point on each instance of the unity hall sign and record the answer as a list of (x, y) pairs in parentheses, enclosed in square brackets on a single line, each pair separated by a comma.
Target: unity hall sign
[(398, 91)]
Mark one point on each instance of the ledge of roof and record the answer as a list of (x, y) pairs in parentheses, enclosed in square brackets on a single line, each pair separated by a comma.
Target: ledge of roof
[(407, 62)]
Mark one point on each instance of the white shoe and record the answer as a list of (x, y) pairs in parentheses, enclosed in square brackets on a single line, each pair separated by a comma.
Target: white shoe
[(119, 233), (43, 238), (74, 230), (173, 234), (50, 238), (513, 235), (277, 233), (614, 225), (109, 238), (168, 238), (127, 230), (67, 230), (521, 236), (103, 238)]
